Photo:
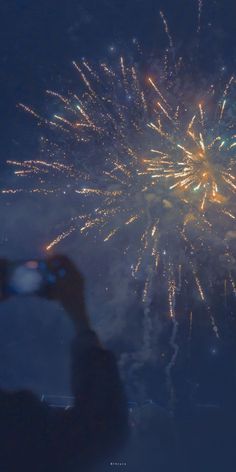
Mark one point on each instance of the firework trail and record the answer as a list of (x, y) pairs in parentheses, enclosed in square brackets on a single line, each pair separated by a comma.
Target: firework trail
[(200, 5), (173, 344)]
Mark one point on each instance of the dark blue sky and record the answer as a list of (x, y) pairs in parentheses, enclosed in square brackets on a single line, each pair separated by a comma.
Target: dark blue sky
[(38, 42), (40, 39)]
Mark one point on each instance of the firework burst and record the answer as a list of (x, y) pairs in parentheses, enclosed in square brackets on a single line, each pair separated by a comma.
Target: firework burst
[(159, 167), (149, 158), (197, 155)]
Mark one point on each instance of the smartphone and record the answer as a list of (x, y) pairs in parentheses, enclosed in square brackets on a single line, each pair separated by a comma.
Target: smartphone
[(27, 278)]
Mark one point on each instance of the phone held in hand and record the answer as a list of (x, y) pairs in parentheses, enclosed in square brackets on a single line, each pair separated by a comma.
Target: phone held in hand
[(27, 278)]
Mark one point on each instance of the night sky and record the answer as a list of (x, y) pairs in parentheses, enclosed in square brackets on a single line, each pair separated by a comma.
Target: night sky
[(38, 42)]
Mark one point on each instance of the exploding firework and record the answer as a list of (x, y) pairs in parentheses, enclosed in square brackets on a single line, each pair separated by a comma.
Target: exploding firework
[(158, 167), (151, 159)]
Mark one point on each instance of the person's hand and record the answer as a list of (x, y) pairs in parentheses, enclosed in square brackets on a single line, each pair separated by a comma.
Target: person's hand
[(68, 288), (3, 271)]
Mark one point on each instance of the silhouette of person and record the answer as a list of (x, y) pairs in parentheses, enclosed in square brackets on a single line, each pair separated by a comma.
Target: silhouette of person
[(35, 437)]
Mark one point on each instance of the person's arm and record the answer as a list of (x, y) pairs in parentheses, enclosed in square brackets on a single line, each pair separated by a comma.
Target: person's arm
[(97, 424), (100, 403)]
